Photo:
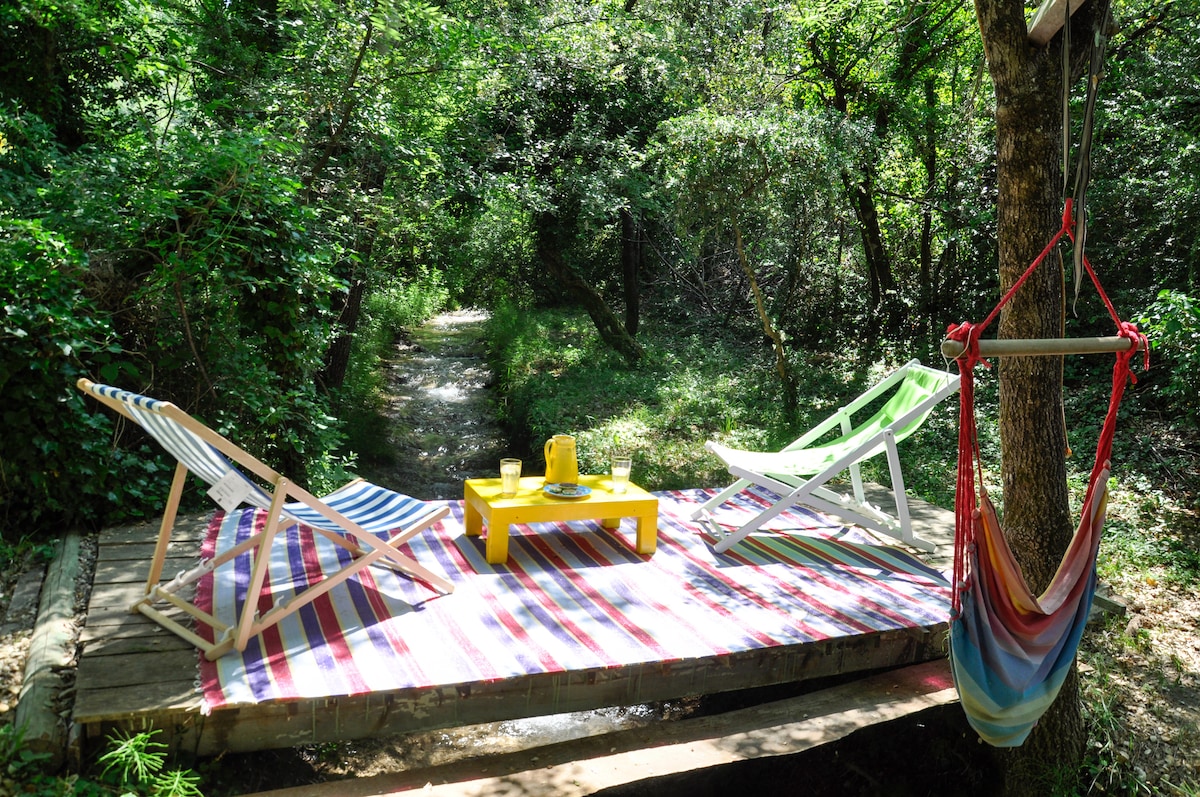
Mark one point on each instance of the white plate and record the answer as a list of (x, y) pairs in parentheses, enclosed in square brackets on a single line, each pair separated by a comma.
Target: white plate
[(557, 490)]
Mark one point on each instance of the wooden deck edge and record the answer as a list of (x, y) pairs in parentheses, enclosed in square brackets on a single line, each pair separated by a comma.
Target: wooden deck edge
[(51, 651), (585, 766)]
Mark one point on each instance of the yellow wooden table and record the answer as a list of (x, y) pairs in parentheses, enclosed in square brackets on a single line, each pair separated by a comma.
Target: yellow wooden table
[(485, 506)]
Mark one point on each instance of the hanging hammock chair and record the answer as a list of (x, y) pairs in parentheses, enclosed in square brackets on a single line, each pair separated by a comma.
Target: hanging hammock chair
[(1010, 650)]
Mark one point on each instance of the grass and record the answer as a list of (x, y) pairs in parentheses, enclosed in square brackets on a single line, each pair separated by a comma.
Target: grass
[(697, 382), (557, 378)]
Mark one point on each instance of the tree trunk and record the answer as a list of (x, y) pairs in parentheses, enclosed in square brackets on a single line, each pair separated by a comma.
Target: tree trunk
[(879, 264), (631, 262), (549, 251), (1037, 521), (929, 160), (337, 359), (790, 397)]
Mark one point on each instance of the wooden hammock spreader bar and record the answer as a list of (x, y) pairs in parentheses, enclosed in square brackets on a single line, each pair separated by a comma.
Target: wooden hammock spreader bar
[(1041, 347)]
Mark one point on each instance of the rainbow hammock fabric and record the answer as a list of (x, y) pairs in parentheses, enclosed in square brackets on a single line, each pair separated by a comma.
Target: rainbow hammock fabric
[(1011, 650)]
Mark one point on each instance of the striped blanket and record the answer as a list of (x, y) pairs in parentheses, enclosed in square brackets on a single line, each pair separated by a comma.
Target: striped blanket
[(571, 596)]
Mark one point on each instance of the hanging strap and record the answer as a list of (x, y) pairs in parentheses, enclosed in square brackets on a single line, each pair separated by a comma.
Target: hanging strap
[(1084, 167), (966, 333), (969, 457)]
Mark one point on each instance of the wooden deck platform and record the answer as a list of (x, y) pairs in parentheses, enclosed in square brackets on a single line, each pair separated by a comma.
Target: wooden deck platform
[(133, 675)]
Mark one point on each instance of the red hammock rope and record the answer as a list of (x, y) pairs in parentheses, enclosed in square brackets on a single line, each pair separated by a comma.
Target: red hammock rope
[(969, 458)]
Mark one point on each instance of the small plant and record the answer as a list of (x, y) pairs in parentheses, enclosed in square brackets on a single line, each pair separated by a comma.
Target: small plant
[(134, 763), (36, 551), (133, 766), (20, 767)]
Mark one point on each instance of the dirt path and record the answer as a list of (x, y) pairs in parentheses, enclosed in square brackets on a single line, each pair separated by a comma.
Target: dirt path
[(441, 413)]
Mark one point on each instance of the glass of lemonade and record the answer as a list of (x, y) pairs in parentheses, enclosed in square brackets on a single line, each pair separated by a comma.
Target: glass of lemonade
[(621, 464), (510, 476)]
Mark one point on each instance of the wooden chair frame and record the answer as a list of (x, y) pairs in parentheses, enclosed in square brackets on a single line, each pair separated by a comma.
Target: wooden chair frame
[(810, 488), (366, 547)]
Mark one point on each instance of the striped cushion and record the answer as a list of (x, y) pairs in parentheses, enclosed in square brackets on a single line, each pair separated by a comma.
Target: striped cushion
[(375, 508)]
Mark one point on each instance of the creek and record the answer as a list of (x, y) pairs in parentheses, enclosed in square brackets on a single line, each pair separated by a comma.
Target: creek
[(441, 415)]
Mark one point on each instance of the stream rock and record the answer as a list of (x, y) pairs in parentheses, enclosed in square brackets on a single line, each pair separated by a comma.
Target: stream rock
[(441, 410)]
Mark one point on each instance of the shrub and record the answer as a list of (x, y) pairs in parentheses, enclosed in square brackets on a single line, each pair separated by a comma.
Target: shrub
[(51, 464), (1172, 323)]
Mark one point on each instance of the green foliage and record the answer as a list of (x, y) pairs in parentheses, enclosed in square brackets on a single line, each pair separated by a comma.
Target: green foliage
[(52, 466), (1145, 195), (404, 303), (224, 292), (697, 382), (219, 213), (1167, 552), (1108, 766), (494, 263), (21, 769), (132, 765), (137, 764), (132, 757), (1172, 323), (754, 198)]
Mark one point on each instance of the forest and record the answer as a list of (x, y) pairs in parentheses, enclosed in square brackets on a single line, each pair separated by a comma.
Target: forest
[(236, 205), (205, 200)]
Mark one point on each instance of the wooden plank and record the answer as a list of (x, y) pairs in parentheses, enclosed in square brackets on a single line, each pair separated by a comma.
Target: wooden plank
[(127, 643), (168, 702), (101, 619), (103, 672), (587, 766), (119, 571), (122, 596), (191, 528), (286, 724), (1048, 20), (140, 554), (166, 695)]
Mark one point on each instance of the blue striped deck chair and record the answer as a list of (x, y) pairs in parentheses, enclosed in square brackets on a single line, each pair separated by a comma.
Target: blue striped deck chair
[(366, 520), (800, 474)]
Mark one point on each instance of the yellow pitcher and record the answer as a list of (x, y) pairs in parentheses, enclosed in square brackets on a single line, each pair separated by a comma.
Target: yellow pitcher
[(561, 462)]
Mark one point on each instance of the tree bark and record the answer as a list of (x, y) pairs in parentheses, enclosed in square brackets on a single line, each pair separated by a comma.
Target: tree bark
[(631, 266), (790, 398), (337, 358), (549, 251), (929, 159), (1037, 521), (879, 264)]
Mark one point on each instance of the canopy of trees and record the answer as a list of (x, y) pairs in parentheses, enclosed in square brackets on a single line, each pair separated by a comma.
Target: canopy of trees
[(196, 197)]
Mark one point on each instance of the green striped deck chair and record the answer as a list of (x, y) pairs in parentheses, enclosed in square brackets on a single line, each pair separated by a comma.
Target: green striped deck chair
[(801, 473), (354, 517)]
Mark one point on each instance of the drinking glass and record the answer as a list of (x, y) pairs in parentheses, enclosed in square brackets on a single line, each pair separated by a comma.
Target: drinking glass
[(510, 476), (621, 464)]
